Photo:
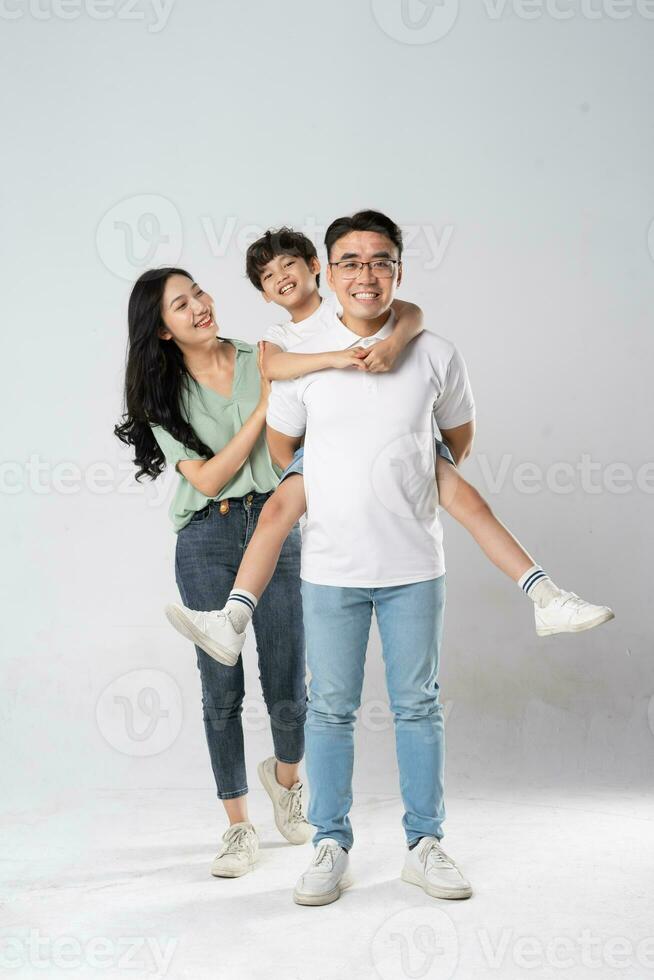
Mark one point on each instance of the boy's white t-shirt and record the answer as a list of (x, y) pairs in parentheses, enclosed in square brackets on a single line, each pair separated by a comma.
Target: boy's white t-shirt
[(288, 335), (369, 459)]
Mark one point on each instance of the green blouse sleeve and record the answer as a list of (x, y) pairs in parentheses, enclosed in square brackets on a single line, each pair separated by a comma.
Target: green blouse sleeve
[(173, 450)]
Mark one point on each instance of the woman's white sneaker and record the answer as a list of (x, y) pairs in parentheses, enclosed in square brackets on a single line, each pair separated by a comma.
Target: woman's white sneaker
[(326, 877), (287, 804), (239, 853), (212, 631), (567, 613), (428, 866)]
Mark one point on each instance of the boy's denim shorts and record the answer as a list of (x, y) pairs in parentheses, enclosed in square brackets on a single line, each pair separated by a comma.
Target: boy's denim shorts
[(297, 463)]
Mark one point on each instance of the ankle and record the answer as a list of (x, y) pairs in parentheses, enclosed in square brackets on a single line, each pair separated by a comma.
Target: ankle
[(286, 776)]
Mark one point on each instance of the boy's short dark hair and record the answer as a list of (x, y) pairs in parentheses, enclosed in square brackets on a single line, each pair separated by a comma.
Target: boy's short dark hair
[(277, 241), (363, 221)]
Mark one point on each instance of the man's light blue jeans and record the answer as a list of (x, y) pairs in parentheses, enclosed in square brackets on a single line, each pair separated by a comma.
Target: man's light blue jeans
[(337, 624)]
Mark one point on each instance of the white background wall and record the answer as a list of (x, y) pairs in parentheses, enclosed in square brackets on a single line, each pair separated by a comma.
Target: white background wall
[(515, 146)]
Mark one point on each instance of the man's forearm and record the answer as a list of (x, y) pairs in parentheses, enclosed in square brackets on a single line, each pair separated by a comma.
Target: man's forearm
[(281, 447)]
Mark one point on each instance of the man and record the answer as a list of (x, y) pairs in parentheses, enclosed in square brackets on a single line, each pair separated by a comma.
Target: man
[(373, 540)]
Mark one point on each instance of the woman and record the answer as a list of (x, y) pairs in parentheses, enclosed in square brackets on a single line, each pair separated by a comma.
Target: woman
[(198, 402)]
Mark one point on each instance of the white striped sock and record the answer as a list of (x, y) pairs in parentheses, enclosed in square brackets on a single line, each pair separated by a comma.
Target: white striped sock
[(240, 605), (538, 586)]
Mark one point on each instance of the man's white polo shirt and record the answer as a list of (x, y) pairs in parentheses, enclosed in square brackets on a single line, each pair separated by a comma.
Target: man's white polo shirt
[(372, 504)]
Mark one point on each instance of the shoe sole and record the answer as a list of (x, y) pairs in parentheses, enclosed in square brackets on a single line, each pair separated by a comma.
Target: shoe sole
[(217, 874), (449, 893), (180, 621), (265, 782), (325, 899), (551, 630)]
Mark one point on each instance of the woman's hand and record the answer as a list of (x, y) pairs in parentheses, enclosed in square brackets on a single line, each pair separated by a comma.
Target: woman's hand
[(265, 383)]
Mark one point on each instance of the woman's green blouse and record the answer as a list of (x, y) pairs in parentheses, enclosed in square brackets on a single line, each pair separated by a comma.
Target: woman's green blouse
[(216, 420)]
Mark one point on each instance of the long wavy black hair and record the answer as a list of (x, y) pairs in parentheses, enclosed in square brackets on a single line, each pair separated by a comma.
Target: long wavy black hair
[(156, 378)]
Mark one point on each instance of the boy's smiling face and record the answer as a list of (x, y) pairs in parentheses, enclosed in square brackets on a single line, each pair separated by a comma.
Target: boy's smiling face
[(289, 281)]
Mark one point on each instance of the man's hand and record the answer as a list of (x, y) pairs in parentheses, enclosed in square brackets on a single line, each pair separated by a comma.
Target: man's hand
[(380, 357)]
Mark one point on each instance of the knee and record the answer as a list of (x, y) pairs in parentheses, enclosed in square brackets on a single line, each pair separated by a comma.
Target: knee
[(417, 706), (288, 715), (323, 710), (466, 502), (276, 513)]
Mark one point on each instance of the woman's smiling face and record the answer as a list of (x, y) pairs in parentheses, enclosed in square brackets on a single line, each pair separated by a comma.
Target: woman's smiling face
[(187, 312)]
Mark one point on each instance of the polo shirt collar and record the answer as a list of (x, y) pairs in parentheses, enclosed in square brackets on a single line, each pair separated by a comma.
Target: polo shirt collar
[(351, 339)]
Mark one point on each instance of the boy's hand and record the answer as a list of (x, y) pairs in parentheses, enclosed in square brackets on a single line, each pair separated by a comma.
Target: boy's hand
[(351, 357), (380, 357)]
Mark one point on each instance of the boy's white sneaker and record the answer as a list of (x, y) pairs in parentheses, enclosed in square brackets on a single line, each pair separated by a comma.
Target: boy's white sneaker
[(287, 804), (428, 866), (567, 613), (239, 853), (326, 877), (212, 631)]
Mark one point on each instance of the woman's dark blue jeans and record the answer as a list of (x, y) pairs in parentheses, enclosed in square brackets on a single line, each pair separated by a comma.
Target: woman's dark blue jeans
[(208, 553)]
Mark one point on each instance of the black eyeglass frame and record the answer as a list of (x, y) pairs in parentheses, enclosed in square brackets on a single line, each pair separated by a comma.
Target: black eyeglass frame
[(361, 264)]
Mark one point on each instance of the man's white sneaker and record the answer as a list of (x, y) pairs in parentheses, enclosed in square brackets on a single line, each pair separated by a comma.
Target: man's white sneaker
[(212, 631), (239, 853), (428, 866), (287, 804), (326, 877), (567, 613)]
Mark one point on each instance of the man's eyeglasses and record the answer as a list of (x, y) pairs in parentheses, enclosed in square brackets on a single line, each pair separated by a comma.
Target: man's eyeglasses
[(350, 268)]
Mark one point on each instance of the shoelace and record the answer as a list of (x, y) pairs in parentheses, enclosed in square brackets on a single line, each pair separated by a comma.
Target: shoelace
[(216, 616), (292, 798), (572, 600), (324, 857), (234, 839), (433, 854)]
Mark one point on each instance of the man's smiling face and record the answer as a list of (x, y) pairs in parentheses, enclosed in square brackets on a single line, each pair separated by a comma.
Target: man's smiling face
[(368, 294)]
